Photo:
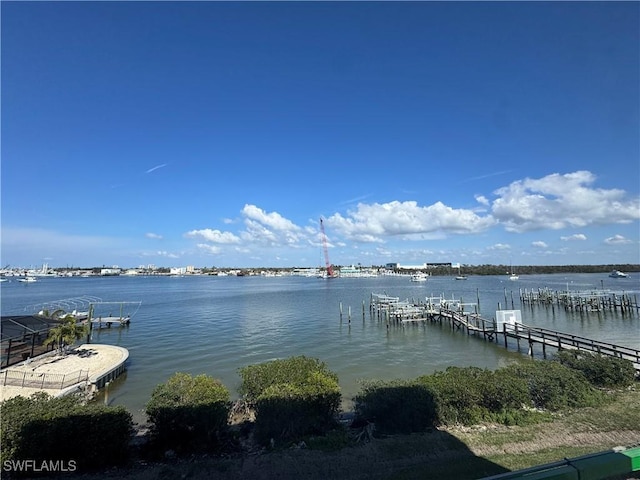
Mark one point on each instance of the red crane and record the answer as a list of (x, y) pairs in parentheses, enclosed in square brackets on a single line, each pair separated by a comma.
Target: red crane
[(326, 251)]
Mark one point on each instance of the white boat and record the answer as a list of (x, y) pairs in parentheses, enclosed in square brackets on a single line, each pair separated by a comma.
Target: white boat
[(79, 316), (513, 276), (419, 277), (618, 274), (28, 279), (460, 276)]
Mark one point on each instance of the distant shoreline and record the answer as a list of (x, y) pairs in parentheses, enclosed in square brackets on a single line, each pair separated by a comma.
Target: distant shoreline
[(435, 270)]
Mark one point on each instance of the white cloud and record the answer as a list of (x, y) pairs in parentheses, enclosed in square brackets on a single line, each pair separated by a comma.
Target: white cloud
[(499, 246), (257, 232), (481, 199), (551, 202), (272, 220), (270, 228), (371, 223), (161, 253), (560, 201), (153, 236), (577, 236), (617, 240), (209, 249), (214, 236), (261, 229)]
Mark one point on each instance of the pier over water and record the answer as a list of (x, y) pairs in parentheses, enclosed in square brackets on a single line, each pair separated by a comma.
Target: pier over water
[(585, 301), (505, 328)]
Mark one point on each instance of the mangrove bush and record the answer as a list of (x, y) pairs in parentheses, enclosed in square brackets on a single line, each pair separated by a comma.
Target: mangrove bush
[(599, 370), (41, 428), (399, 406), (292, 398), (189, 413)]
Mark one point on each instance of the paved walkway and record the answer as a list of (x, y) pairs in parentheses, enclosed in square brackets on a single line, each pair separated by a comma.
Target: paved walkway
[(97, 359)]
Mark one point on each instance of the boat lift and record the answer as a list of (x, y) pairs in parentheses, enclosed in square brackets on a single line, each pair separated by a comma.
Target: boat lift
[(97, 313)]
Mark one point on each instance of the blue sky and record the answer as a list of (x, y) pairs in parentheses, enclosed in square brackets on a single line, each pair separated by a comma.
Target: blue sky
[(218, 133)]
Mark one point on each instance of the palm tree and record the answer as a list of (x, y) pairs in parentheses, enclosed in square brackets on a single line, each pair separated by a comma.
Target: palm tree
[(66, 333)]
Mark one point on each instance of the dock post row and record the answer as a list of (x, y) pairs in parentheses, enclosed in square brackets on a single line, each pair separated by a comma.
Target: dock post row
[(393, 311)]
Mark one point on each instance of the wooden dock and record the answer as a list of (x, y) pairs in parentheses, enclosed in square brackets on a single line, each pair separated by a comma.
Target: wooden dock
[(437, 310), (107, 322), (583, 301), (101, 314)]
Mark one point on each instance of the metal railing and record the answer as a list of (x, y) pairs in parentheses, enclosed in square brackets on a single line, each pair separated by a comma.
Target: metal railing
[(566, 340), (53, 381)]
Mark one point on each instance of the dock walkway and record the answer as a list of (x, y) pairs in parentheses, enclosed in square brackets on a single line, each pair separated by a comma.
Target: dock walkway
[(393, 311), (586, 301)]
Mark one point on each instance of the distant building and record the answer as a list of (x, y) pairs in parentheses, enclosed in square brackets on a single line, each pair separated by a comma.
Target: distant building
[(109, 271), (424, 266), (436, 265), (305, 272)]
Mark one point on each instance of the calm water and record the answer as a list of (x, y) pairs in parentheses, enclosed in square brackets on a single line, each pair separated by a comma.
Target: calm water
[(216, 325)]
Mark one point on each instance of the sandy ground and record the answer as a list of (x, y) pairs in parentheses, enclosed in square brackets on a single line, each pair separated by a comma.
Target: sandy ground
[(94, 358)]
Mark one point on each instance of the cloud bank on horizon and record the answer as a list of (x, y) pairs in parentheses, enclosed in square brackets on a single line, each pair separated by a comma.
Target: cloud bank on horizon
[(377, 233)]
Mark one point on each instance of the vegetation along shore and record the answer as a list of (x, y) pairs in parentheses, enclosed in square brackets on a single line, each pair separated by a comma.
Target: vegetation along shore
[(458, 423)]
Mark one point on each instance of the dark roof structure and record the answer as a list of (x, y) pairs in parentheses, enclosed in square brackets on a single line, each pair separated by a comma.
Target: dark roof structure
[(14, 327)]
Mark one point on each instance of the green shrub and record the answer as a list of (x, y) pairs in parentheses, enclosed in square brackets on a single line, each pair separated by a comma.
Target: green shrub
[(333, 441), (396, 407), (458, 394), (292, 397), (295, 370), (521, 417), (189, 413), (553, 386), (472, 395), (42, 428), (600, 370), (502, 390)]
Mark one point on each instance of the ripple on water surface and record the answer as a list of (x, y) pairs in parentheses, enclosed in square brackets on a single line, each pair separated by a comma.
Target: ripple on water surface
[(216, 325)]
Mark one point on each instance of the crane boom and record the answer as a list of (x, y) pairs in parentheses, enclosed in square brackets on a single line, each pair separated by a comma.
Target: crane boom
[(326, 251)]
